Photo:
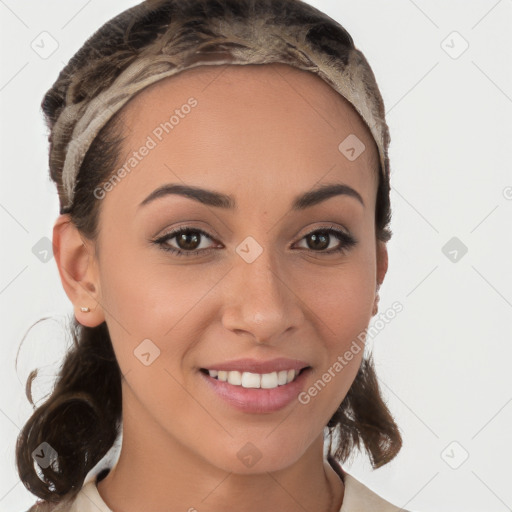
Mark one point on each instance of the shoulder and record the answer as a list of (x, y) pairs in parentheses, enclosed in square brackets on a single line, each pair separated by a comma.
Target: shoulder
[(360, 498), (44, 506), (87, 498), (74, 501)]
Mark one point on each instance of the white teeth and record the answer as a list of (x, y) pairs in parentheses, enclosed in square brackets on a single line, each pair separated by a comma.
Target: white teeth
[(282, 377), (235, 378), (251, 380), (269, 380), (255, 380)]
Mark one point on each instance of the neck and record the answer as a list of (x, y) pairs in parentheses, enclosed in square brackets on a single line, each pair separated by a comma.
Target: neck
[(155, 472)]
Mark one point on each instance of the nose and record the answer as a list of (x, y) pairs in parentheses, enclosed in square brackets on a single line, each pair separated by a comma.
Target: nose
[(260, 300)]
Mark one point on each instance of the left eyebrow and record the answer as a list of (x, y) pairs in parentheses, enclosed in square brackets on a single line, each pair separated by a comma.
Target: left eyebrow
[(219, 200), (324, 192)]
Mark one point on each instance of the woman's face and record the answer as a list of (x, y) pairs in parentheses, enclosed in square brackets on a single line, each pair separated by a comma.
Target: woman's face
[(258, 277)]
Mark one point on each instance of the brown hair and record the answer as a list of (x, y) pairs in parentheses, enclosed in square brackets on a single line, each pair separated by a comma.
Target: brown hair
[(82, 416)]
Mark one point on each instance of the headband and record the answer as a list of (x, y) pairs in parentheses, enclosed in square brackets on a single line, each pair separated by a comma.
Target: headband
[(347, 74)]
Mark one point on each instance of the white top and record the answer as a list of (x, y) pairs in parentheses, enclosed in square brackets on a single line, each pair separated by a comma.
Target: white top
[(357, 497)]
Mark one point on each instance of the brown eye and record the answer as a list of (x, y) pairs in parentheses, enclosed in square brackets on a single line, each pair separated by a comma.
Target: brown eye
[(187, 241), (320, 239)]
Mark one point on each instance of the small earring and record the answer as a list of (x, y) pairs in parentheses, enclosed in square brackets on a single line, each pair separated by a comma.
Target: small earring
[(85, 310)]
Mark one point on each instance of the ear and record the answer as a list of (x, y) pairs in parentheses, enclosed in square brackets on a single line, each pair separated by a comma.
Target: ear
[(382, 268), (382, 262), (78, 271)]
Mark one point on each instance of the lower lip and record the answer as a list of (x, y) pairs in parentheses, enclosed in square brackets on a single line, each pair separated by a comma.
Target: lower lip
[(257, 400)]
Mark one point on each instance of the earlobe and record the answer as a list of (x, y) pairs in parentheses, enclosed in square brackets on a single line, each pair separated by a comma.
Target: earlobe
[(77, 270)]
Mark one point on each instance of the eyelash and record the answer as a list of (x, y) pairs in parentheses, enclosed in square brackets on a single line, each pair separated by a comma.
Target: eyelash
[(347, 241)]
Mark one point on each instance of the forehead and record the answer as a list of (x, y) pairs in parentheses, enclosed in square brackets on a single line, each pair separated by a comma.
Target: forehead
[(272, 121), (274, 82)]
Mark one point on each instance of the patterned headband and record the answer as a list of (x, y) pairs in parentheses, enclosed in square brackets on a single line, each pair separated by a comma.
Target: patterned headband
[(294, 44)]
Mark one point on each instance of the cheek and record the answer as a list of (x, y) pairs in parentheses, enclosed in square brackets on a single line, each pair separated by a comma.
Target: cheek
[(341, 298), (344, 308), (340, 302), (147, 299), (142, 292), (340, 313)]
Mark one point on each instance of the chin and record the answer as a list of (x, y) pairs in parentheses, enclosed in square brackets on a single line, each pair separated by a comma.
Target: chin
[(246, 457)]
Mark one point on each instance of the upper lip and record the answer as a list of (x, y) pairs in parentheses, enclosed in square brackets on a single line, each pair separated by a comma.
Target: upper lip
[(259, 366)]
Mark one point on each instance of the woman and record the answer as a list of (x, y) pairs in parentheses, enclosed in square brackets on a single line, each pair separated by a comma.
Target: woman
[(223, 178)]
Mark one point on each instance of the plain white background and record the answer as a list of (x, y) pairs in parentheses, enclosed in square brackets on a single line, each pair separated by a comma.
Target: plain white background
[(444, 70)]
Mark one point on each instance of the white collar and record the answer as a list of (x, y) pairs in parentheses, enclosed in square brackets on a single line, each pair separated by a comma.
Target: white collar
[(89, 499)]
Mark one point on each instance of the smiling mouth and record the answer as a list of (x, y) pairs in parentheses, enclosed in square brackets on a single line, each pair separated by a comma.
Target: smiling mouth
[(255, 380)]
